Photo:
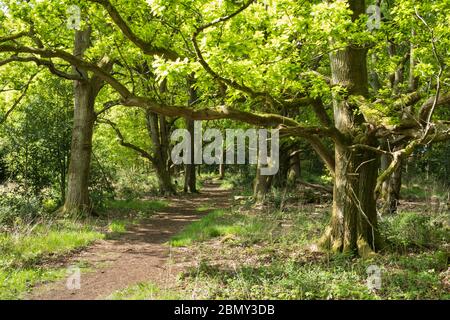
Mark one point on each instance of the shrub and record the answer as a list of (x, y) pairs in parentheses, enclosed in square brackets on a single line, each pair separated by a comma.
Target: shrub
[(133, 183), (411, 230), (14, 207)]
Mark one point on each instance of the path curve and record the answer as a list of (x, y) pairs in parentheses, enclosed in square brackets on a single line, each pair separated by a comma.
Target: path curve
[(139, 255)]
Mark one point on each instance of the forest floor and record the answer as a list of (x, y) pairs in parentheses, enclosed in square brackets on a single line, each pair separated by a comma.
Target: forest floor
[(218, 245), (140, 254)]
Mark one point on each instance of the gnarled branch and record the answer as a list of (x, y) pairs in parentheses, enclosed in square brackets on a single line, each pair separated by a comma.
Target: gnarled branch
[(129, 99), (41, 62), (147, 47), (122, 141)]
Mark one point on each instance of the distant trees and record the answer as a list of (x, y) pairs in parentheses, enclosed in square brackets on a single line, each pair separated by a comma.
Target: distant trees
[(314, 70), (35, 142)]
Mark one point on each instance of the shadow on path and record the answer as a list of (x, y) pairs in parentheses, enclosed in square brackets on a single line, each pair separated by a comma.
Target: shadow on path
[(138, 255)]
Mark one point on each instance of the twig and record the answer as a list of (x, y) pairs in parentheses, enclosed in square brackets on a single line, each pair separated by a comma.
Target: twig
[(17, 102)]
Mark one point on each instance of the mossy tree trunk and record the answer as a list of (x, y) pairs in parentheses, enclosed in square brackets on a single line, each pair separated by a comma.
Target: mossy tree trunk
[(261, 186), (390, 192), (159, 134), (294, 172), (353, 227)]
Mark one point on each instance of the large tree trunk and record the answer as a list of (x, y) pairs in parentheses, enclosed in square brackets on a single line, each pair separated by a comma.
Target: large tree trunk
[(190, 180), (353, 227), (77, 199), (280, 178), (77, 196), (261, 186), (157, 128), (165, 180)]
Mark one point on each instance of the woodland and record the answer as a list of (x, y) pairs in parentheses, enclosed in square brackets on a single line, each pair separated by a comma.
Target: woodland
[(92, 91)]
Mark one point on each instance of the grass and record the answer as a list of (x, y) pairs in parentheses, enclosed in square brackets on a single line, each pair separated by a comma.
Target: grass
[(227, 185), (142, 208), (268, 257), (25, 249), (144, 291), (117, 226), (414, 230), (24, 252), (248, 229), (418, 190), (14, 283), (204, 208), (218, 223), (335, 278), (240, 184)]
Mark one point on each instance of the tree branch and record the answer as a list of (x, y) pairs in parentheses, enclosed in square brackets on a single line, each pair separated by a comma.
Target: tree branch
[(129, 99), (122, 141), (17, 102), (221, 112), (56, 53), (107, 105), (396, 157), (425, 109), (370, 148), (441, 65), (147, 47), (321, 113), (323, 152), (224, 81), (14, 36), (40, 62), (225, 18)]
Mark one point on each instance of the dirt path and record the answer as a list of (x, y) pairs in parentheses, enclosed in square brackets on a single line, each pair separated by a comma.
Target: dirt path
[(138, 255)]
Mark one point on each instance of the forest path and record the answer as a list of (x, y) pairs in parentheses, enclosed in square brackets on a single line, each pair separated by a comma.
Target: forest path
[(139, 255)]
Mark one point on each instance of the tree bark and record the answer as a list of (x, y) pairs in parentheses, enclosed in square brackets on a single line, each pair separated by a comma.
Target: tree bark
[(77, 199), (294, 172), (190, 180), (390, 192), (353, 227), (280, 178), (157, 128), (222, 171), (261, 186)]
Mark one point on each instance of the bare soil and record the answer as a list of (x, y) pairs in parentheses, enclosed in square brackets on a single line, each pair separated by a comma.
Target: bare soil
[(140, 255)]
